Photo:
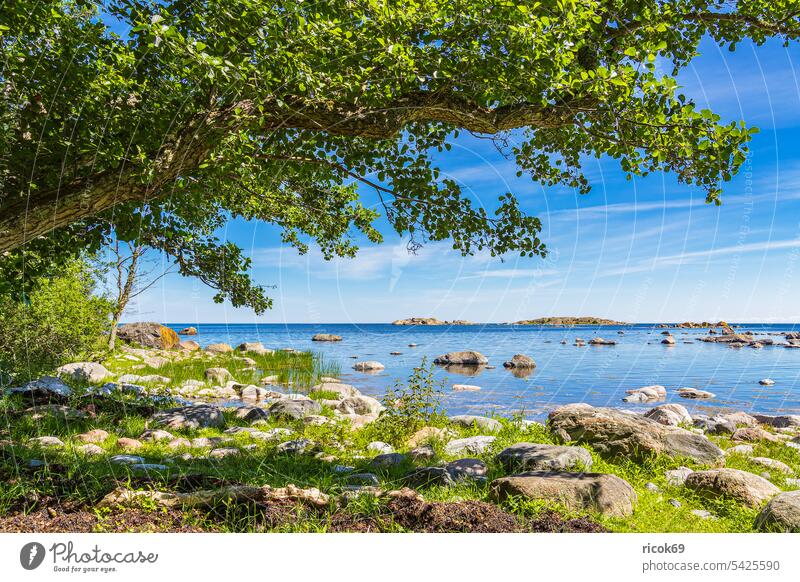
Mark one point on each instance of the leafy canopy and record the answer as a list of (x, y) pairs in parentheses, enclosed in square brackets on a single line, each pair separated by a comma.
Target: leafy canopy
[(158, 121)]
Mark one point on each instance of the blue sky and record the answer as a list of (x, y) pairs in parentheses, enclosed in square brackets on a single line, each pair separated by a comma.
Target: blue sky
[(640, 251)]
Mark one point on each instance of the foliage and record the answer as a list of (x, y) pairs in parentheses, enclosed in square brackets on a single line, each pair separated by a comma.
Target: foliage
[(59, 322), (160, 120)]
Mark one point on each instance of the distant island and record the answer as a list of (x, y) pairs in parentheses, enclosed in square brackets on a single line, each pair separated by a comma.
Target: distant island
[(430, 321), (569, 321)]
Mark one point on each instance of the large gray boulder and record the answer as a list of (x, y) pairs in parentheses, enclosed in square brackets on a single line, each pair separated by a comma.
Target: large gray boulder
[(670, 414), (613, 433), (466, 358), (44, 389), (254, 348), (91, 372), (782, 513), (605, 494), (746, 488), (149, 334), (189, 417), (359, 405), (294, 409), (540, 457), (341, 390)]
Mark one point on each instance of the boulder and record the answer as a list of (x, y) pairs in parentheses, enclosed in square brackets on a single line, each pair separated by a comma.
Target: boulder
[(605, 494), (251, 413), (39, 411), (782, 421), (744, 487), (294, 409), (370, 366), (127, 444), (715, 425), (44, 389), (646, 394), (670, 414), (90, 372), (753, 434), (156, 435), (189, 346), (360, 405), (387, 461), (218, 375), (380, 447), (767, 382), (254, 348), (326, 337), (95, 436), (466, 358), (149, 334), (341, 390), (189, 417), (482, 422), (427, 476), (465, 388), (428, 433), (668, 341), (541, 457), (598, 341), (694, 393), (520, 361), (773, 464), (782, 513), (677, 477), (46, 441), (90, 449), (220, 348), (467, 469), (188, 331), (423, 453), (474, 445), (613, 433)]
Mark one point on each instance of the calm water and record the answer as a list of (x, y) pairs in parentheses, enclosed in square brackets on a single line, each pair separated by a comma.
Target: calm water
[(598, 375)]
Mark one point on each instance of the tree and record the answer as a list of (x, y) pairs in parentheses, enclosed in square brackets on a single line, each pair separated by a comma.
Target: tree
[(195, 111)]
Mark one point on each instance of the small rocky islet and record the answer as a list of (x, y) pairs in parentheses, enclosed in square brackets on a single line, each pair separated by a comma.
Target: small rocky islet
[(325, 436)]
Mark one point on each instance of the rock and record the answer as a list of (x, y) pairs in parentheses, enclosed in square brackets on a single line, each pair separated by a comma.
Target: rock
[(254, 348), (782, 513), (427, 476), (782, 421), (294, 409), (251, 413), (253, 392), (189, 346), (613, 433), (126, 460), (380, 447), (423, 453), (674, 503), (598, 341), (218, 375), (370, 366), (220, 348), (46, 441), (294, 447), (744, 487), (650, 486), (156, 435), (127, 444), (703, 514), (767, 382), (467, 469), (677, 477), (745, 450), (428, 433), (465, 388), (359, 405), (44, 389), (474, 445), (93, 436), (387, 461), (179, 443), (326, 337), (646, 394), (188, 331), (90, 449), (467, 358), (694, 393), (224, 452), (716, 425), (670, 414), (605, 494), (482, 422), (342, 390), (739, 419), (541, 457), (668, 341), (149, 379), (367, 479), (149, 335), (772, 464), (753, 435), (520, 361), (90, 372), (316, 420), (54, 410), (189, 417)]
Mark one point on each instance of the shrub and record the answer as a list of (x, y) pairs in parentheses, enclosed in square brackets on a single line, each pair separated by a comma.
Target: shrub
[(61, 320)]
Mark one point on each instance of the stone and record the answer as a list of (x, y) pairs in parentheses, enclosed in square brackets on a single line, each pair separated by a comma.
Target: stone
[(753, 435), (423, 453), (744, 487), (294, 447), (739, 419), (669, 414), (368, 479), (96, 435), (767, 382), (716, 425), (253, 392), (541, 457), (782, 421), (188, 331), (126, 460), (613, 433), (467, 469), (745, 450), (474, 445), (482, 422), (218, 375), (189, 346), (598, 341), (224, 452), (668, 341), (127, 444), (605, 494), (44, 389), (252, 413), (220, 348), (703, 514), (380, 447), (650, 486), (341, 390), (772, 464), (316, 420), (465, 388), (156, 361), (520, 361), (694, 393), (148, 379), (54, 410), (90, 372), (646, 394), (254, 348), (90, 449), (46, 441), (466, 358), (677, 477), (370, 366), (674, 503), (189, 417), (427, 476), (149, 334), (326, 337), (387, 461), (359, 405), (781, 514), (294, 409), (179, 443), (156, 435), (427, 434)]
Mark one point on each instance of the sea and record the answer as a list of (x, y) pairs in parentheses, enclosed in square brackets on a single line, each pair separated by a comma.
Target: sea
[(564, 373)]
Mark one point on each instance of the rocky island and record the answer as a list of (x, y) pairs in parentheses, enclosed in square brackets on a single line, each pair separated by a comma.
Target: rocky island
[(430, 321), (569, 321)]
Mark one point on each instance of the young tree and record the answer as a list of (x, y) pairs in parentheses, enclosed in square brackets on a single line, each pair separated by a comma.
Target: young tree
[(164, 118)]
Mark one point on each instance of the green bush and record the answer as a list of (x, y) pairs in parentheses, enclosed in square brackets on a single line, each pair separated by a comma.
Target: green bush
[(60, 321)]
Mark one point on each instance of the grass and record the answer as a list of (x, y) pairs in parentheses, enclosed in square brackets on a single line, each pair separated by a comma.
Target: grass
[(71, 477)]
